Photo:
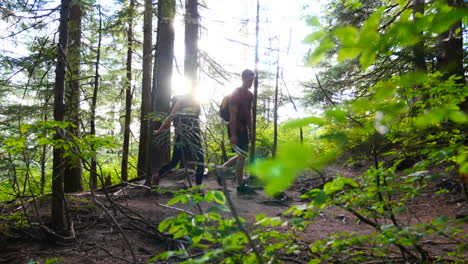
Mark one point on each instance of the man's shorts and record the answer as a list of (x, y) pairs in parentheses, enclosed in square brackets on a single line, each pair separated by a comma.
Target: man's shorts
[(242, 139)]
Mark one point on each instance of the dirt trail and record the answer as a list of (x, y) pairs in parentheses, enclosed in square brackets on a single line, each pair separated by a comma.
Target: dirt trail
[(98, 241)]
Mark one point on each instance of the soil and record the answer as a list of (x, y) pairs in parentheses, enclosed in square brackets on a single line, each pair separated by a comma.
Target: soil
[(99, 241)]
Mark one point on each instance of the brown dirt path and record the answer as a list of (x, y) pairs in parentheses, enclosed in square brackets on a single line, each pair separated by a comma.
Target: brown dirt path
[(98, 241)]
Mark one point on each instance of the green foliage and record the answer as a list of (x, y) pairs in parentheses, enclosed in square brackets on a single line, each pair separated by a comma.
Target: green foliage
[(49, 261), (220, 238), (24, 176)]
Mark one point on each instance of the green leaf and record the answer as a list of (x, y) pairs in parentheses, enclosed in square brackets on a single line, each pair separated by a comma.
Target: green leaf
[(313, 21), (325, 46), (175, 200), (164, 225), (338, 114), (279, 173), (217, 208), (316, 36), (458, 117), (431, 118), (444, 20), (385, 89), (348, 53), (367, 58), (217, 196), (348, 36), (298, 123), (50, 261), (320, 199)]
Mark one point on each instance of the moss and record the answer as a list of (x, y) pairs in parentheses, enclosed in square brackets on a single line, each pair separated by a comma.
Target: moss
[(80, 205)]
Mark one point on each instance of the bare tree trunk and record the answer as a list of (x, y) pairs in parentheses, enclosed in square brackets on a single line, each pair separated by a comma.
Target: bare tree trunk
[(93, 166), (161, 94), (254, 107), (191, 41), (73, 169), (59, 221), (146, 91), (191, 56), (275, 113), (128, 93), (44, 149), (419, 57)]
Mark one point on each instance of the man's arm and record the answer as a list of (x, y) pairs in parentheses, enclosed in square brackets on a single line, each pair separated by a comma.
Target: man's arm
[(233, 116), (167, 122)]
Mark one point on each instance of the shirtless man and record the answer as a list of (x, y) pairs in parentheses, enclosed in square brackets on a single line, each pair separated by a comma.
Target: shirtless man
[(240, 123)]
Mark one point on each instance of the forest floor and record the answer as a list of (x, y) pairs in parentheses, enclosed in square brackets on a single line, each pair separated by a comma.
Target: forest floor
[(139, 213)]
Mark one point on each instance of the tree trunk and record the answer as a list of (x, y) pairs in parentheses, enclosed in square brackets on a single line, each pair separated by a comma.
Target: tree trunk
[(59, 221), (254, 107), (146, 91), (128, 93), (161, 94), (275, 113), (191, 54), (93, 170), (73, 170), (450, 52), (419, 57), (191, 41)]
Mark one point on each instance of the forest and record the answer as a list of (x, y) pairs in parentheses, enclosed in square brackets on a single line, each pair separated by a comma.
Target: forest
[(357, 148)]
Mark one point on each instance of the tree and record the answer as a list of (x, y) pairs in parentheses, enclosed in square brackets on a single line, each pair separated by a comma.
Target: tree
[(275, 114), (419, 58), (73, 170), (146, 92), (255, 93), (59, 220), (191, 50), (191, 40), (93, 167), (450, 52), (161, 93), (128, 92)]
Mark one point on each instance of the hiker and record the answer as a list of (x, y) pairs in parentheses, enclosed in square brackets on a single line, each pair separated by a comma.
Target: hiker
[(187, 143), (240, 125)]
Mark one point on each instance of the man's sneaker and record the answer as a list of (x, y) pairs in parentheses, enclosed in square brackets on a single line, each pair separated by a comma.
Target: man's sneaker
[(245, 189)]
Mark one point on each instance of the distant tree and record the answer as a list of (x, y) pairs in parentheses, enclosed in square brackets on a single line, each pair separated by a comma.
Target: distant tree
[(93, 179), (128, 91), (73, 168), (255, 93)]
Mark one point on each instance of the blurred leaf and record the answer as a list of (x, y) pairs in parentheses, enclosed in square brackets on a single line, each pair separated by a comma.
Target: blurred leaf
[(347, 35), (431, 118), (313, 21), (325, 46), (385, 89), (367, 58), (444, 20), (338, 114), (458, 117), (320, 199), (297, 123), (348, 53), (279, 173), (311, 38)]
